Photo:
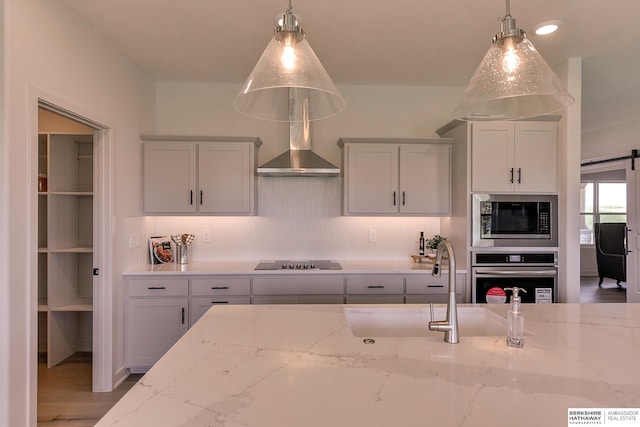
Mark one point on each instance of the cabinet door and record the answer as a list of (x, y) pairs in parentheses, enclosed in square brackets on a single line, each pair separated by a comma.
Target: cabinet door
[(153, 326), (170, 177), (225, 178), (492, 157), (425, 179), (200, 305), (372, 179), (535, 157)]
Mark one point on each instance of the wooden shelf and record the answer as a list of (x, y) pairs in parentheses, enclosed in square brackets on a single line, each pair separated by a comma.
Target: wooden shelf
[(72, 308), (65, 244), (76, 250), (71, 193)]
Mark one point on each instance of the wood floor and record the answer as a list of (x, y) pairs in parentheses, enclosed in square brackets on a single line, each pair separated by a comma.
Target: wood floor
[(64, 391), (590, 292), (65, 397)]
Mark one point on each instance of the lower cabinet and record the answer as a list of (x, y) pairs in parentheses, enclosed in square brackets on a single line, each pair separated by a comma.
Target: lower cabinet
[(153, 326), (375, 289), (209, 291), (160, 309), (428, 289), (298, 289)]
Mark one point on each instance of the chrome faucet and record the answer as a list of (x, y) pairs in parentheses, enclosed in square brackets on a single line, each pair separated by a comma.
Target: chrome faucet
[(449, 326)]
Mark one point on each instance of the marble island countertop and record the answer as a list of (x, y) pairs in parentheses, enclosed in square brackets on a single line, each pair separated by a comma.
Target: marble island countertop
[(300, 365), (248, 267)]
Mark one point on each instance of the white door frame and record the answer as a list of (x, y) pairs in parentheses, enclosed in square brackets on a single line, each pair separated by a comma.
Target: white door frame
[(102, 376), (633, 223)]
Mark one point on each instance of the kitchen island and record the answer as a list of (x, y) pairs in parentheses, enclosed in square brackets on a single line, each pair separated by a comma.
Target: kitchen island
[(300, 365)]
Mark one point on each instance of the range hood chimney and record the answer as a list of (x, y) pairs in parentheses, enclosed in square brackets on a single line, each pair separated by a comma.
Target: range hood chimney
[(299, 160)]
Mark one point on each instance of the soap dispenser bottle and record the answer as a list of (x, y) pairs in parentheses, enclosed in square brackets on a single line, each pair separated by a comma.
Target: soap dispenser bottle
[(515, 319)]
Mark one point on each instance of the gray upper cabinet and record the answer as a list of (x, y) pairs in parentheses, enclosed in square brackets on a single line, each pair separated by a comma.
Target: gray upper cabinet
[(396, 177), (210, 176), (516, 157)]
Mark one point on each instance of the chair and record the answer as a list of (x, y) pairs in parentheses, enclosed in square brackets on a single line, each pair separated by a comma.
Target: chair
[(611, 253)]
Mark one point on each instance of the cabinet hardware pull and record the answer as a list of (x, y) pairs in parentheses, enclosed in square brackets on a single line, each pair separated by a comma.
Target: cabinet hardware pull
[(375, 286), (200, 197), (191, 197), (183, 315), (156, 287), (626, 240), (519, 175), (435, 286), (219, 302), (219, 287), (394, 198), (511, 180), (404, 197)]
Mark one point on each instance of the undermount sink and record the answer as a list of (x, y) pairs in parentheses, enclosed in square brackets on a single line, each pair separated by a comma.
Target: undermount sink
[(414, 322)]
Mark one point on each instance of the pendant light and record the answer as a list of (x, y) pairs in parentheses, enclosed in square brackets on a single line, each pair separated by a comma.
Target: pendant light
[(289, 74), (512, 81)]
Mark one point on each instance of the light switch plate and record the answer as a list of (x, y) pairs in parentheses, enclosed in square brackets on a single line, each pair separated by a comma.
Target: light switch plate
[(373, 235), (206, 236)]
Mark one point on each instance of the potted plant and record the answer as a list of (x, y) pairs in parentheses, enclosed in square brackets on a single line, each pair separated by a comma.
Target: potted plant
[(432, 244)]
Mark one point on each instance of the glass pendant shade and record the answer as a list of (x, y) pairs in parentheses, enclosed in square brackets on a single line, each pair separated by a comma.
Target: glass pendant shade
[(512, 82), (287, 72)]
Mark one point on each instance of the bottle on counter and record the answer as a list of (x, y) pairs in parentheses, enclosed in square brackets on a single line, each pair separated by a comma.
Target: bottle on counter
[(515, 319), (421, 243)]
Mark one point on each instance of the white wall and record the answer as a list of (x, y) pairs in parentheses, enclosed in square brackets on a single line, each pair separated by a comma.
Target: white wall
[(569, 147), (49, 50), (300, 217), (5, 339)]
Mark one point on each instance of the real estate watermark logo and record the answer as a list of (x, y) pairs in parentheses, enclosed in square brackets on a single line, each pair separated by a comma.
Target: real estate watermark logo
[(617, 417)]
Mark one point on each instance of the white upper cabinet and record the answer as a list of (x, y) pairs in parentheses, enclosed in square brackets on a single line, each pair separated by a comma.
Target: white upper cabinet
[(213, 177), (226, 178), (170, 177), (396, 177), (514, 157)]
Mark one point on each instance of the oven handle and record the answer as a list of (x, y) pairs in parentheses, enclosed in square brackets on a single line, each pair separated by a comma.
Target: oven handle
[(516, 272)]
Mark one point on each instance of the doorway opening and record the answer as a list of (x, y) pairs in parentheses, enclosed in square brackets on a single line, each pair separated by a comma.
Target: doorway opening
[(71, 294), (603, 199)]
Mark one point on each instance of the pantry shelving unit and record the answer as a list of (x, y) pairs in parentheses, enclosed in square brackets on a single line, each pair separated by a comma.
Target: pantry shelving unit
[(65, 243)]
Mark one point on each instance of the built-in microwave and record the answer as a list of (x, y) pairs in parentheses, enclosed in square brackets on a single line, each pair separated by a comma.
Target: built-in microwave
[(515, 220)]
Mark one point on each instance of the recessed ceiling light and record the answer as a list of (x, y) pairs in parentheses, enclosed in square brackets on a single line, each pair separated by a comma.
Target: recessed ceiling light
[(547, 27)]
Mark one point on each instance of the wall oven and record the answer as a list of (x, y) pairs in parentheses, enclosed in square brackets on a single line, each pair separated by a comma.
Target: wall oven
[(500, 220), (535, 272)]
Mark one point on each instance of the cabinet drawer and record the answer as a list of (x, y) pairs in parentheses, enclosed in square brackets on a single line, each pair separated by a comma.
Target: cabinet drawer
[(158, 287), (298, 285), (428, 284), (199, 305), (375, 285), (221, 286)]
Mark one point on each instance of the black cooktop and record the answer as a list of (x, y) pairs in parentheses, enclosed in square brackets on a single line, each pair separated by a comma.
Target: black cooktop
[(320, 264)]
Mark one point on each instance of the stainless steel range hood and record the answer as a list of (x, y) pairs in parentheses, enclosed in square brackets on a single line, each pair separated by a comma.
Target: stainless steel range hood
[(299, 160)]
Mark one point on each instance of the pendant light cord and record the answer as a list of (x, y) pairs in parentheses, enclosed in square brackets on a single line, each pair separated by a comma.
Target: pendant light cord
[(508, 6)]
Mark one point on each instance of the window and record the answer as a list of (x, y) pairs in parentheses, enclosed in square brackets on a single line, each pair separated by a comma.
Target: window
[(601, 201)]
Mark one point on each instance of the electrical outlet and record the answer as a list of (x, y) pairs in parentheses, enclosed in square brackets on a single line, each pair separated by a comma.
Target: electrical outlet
[(206, 236), (373, 236)]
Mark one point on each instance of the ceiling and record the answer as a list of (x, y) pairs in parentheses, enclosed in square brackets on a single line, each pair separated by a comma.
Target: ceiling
[(373, 42)]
